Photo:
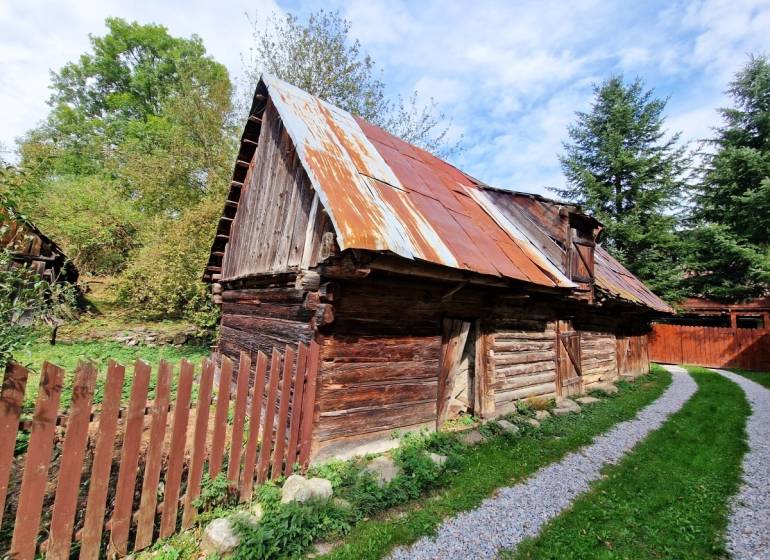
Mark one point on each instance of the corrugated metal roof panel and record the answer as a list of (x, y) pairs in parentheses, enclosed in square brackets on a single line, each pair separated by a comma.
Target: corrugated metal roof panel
[(617, 280)]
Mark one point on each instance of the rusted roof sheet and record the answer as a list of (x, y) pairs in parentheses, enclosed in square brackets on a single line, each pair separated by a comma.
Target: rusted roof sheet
[(383, 194), (614, 278)]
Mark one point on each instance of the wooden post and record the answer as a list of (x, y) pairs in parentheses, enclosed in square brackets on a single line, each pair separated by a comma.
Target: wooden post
[(11, 399)]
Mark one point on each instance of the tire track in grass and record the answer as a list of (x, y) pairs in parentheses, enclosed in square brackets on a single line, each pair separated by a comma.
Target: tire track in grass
[(519, 511), (748, 532), (669, 497)]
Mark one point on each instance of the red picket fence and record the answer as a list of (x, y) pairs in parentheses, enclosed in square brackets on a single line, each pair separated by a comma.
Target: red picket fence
[(710, 346), (94, 474)]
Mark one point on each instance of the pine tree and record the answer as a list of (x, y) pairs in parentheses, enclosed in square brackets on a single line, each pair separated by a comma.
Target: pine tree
[(729, 240), (622, 167)]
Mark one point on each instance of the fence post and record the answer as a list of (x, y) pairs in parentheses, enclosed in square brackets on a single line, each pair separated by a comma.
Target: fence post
[(11, 399)]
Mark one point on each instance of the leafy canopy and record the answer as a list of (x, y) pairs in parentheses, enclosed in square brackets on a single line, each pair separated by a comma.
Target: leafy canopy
[(621, 166)]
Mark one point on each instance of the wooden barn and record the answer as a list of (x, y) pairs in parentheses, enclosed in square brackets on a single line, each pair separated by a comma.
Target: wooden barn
[(430, 293), (29, 246)]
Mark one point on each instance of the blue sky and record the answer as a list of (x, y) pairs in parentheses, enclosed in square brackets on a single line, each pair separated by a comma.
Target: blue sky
[(510, 74)]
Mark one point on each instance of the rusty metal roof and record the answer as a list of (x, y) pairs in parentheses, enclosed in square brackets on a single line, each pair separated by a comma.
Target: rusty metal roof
[(614, 278), (384, 194)]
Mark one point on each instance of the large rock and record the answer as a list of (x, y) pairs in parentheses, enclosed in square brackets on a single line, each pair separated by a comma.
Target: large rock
[(587, 400), (472, 437), (542, 414), (608, 388), (532, 422), (384, 469), (219, 538), (508, 426), (297, 488), (563, 411), (568, 403), (439, 460)]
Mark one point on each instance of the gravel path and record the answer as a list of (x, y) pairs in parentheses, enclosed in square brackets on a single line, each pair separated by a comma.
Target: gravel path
[(748, 532), (519, 511)]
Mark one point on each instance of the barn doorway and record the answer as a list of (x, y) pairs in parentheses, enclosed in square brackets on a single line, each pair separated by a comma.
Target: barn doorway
[(457, 370), (570, 368)]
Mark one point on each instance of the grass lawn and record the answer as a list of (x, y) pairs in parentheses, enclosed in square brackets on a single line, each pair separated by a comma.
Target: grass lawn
[(669, 497), (67, 355), (497, 463), (763, 378)]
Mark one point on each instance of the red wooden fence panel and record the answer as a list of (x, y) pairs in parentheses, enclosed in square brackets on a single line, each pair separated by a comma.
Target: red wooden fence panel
[(35, 478), (102, 463), (71, 465), (239, 418), (129, 460), (286, 401), (147, 506), (255, 414), (199, 443), (177, 450), (710, 346), (11, 399), (220, 417), (267, 432)]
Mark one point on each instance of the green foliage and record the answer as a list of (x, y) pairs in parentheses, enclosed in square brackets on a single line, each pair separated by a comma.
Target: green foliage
[(723, 265), (320, 57), (730, 247), (620, 166), (668, 498), (290, 530), (26, 301), (164, 278), (215, 494)]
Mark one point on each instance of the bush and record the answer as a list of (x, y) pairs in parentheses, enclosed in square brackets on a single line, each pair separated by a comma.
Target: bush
[(164, 280)]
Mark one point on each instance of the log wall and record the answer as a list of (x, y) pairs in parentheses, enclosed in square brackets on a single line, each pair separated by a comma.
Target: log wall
[(598, 353), (525, 363)]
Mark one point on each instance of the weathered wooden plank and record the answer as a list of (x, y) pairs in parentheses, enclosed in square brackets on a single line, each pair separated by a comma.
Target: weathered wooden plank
[(377, 419), (357, 396), (129, 460), (530, 391), (177, 450), (267, 432), (149, 499), (283, 413), (296, 408), (523, 369), (518, 381), (11, 399), (239, 418), (255, 414), (308, 405), (101, 466), (523, 358), (202, 411), (35, 478), (220, 417), (71, 465), (342, 374)]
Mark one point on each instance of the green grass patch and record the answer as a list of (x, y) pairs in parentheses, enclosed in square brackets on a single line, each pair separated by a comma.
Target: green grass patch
[(502, 461), (763, 378), (67, 356), (669, 497)]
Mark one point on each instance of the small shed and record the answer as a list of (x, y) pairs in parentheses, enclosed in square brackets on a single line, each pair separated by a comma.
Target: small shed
[(430, 293), (29, 246), (748, 314)]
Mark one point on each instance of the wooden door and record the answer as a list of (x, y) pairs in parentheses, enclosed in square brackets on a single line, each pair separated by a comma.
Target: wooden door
[(570, 370), (453, 339)]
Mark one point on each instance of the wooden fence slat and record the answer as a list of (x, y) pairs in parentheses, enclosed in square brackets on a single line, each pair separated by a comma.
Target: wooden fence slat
[(220, 417), (308, 406), (71, 464), (35, 479), (267, 432), (296, 408), (90, 543), (149, 500), (199, 443), (239, 418), (255, 415), (177, 450), (283, 413), (11, 401), (129, 460)]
